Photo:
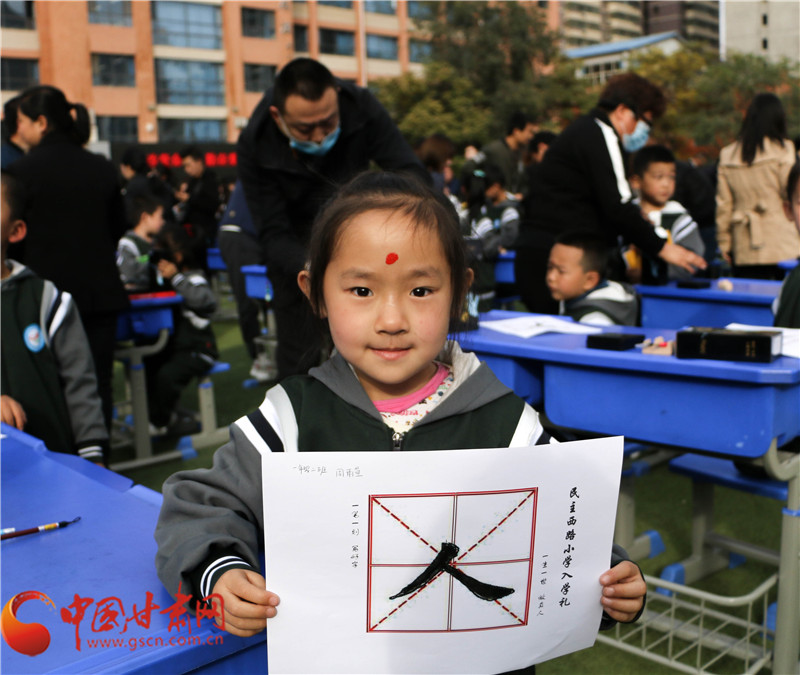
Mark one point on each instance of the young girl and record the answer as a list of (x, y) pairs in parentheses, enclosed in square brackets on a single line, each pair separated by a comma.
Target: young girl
[(387, 272)]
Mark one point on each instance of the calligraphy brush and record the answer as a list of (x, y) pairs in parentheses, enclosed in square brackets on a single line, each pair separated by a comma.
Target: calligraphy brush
[(11, 532)]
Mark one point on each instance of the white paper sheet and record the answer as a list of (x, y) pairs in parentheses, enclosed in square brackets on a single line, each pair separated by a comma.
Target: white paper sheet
[(528, 326), (791, 337), (347, 531)]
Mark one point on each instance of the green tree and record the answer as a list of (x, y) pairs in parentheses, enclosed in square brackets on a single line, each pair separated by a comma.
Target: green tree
[(708, 97), (440, 102)]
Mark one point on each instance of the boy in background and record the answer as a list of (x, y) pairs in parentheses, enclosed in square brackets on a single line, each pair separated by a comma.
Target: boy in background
[(192, 349), (48, 385), (576, 279), (137, 272), (787, 304), (491, 225), (654, 179)]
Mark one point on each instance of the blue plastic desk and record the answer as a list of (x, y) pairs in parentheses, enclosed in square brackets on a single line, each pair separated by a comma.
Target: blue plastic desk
[(504, 268), (214, 259), (739, 410), (750, 302), (736, 409), (108, 554), (147, 317), (257, 285)]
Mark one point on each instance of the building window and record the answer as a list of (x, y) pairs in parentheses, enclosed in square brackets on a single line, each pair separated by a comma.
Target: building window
[(113, 70), (764, 19), (15, 14), (258, 77), (117, 129), (419, 51), (380, 6), (19, 74), (336, 3), (418, 10), (381, 47), (191, 130), (111, 12), (764, 43), (337, 42), (258, 23), (300, 38), (189, 82), (186, 24)]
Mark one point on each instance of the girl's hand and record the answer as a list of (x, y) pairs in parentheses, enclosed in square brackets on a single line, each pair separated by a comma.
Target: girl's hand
[(624, 589), (246, 603)]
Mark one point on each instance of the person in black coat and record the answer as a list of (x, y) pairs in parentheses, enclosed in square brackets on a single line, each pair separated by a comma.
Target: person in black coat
[(309, 134), (75, 216), (581, 184), (198, 202)]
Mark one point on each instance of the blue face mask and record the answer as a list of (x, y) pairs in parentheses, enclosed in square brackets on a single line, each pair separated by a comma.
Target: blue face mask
[(311, 148), (638, 139)]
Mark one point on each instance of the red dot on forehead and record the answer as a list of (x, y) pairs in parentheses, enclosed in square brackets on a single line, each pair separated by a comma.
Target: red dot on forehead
[(391, 259)]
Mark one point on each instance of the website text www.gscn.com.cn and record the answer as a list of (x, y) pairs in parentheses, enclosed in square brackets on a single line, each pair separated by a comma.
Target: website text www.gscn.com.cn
[(155, 641)]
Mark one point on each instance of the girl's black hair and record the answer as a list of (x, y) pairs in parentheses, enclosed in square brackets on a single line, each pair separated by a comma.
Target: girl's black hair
[(51, 102), (765, 118), (383, 191)]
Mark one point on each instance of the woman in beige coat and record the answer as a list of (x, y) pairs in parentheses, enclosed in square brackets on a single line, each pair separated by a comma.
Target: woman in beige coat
[(752, 229)]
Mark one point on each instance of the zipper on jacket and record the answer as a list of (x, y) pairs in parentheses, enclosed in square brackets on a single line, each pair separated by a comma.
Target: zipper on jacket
[(397, 440)]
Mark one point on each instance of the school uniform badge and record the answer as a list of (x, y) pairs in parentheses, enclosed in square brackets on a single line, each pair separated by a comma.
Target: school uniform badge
[(34, 340)]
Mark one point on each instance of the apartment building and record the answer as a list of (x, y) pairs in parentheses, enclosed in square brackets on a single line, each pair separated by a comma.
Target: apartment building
[(770, 28), (593, 22), (692, 20), (177, 70)]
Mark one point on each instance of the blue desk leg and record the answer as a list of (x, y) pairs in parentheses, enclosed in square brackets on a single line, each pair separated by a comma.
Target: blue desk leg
[(141, 421), (648, 544), (712, 551), (787, 628)]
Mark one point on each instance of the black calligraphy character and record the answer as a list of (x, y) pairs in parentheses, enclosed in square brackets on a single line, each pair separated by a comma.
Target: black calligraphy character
[(441, 564)]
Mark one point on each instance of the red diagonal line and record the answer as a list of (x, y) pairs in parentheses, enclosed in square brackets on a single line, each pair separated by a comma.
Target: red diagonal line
[(428, 544), (509, 611), (490, 532), (482, 539), (407, 600)]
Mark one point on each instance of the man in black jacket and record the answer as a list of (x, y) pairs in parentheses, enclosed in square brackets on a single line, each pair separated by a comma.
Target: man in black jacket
[(581, 184), (309, 134)]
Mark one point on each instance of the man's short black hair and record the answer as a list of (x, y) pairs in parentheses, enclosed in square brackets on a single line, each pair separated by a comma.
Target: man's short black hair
[(518, 120), (14, 192), (192, 151), (649, 155), (304, 77), (594, 247), (135, 158), (634, 92)]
